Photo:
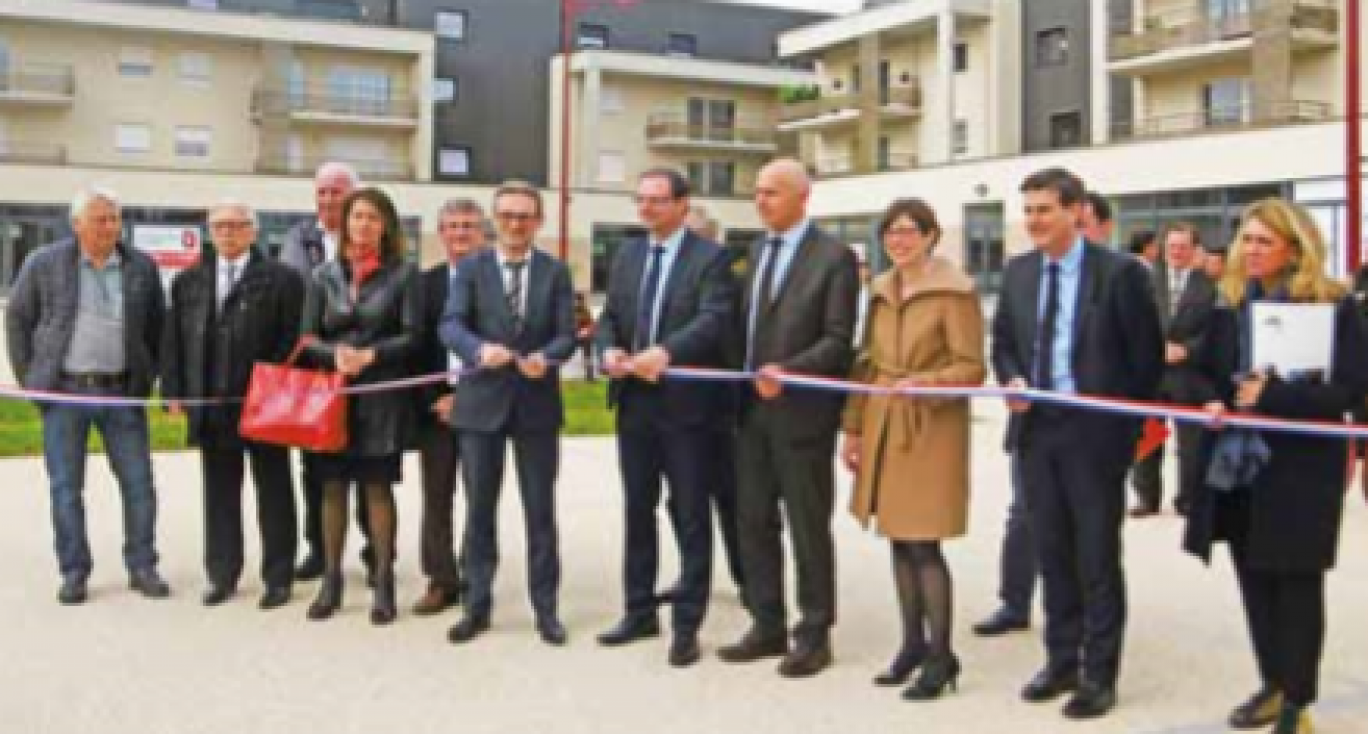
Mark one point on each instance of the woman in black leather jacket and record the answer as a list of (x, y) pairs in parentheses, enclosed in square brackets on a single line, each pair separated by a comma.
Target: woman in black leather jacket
[(364, 316)]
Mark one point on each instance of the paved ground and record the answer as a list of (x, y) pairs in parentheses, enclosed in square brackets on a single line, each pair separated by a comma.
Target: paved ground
[(123, 664)]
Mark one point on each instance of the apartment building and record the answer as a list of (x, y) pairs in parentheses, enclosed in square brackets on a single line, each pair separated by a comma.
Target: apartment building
[(716, 121), (1176, 109)]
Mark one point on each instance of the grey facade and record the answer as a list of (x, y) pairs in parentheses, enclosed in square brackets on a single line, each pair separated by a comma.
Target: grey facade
[(501, 67), (1056, 66)]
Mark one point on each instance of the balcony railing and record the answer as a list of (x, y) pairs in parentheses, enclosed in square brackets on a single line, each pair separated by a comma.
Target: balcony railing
[(1170, 32), (12, 151), (1223, 119), (845, 165), (892, 99), (668, 128), (385, 169), (47, 80), (388, 108)]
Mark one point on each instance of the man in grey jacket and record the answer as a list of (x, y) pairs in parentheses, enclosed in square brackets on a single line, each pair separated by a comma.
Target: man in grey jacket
[(85, 319)]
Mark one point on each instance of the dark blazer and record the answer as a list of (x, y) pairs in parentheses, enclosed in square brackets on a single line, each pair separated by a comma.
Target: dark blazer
[(1186, 324), (1297, 500), (1117, 347), (477, 312), (41, 316), (387, 316), (808, 328), (259, 322), (698, 308), (432, 353)]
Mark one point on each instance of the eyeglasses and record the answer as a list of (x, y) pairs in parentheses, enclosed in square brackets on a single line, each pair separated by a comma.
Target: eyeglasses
[(229, 225), (471, 226), (902, 232), (517, 216)]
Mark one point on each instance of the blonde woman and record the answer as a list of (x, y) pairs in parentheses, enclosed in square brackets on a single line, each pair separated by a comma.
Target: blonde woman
[(1276, 498), (911, 455)]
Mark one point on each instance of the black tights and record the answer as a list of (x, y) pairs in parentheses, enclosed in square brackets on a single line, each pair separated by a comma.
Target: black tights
[(381, 513), (925, 594)]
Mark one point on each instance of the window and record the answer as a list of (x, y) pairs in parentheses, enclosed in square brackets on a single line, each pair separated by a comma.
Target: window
[(135, 61), (196, 68), (202, 4), (960, 138), (1066, 129), (682, 44), (592, 36), (192, 142), (354, 90), (1226, 101), (1052, 47), (961, 58), (444, 90), (712, 178), (133, 138), (329, 9), (454, 161), (451, 24), (612, 167)]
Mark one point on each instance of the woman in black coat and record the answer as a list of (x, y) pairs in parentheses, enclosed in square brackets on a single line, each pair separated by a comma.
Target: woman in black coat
[(364, 313), (1277, 498)]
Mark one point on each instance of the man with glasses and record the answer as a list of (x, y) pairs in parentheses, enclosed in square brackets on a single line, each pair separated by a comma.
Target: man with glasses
[(511, 313), (234, 308)]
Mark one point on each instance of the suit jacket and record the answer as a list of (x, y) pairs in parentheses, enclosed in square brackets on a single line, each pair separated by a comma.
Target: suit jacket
[(477, 313), (432, 353), (1186, 324), (808, 328), (41, 316), (209, 352), (1117, 340), (304, 249), (696, 311)]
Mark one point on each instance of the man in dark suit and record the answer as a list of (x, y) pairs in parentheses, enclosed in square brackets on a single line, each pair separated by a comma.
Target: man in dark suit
[(511, 312), (1075, 317), (670, 297), (1187, 298), (234, 308), (798, 316), (308, 245), (461, 228)]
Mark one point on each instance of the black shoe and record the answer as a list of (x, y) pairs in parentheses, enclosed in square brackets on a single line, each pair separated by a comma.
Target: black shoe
[(1090, 701), (329, 597), (72, 591), (806, 660), (217, 594), (907, 660), (383, 609), (1259, 711), (684, 650), (552, 631), (310, 568), (470, 627), (274, 597), (149, 583), (937, 674), (754, 646), (1292, 720), (1050, 684), (630, 629), (1182, 506), (1000, 623)]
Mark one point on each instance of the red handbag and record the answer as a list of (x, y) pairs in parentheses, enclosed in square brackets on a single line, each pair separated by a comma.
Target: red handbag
[(296, 407)]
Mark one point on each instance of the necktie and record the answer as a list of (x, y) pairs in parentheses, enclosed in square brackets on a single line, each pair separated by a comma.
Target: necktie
[(644, 334), (1176, 290), (515, 290), (1044, 365), (765, 295), (227, 282)]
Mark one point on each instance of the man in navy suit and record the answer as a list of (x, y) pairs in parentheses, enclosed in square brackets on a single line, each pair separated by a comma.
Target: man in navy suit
[(511, 312), (670, 298)]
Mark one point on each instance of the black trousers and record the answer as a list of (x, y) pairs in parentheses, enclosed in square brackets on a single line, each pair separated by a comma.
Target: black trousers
[(722, 490), (1285, 614), (1076, 488), (651, 452), (536, 459), (439, 453), (1018, 565), (312, 486), (222, 467), (773, 472), (1147, 475)]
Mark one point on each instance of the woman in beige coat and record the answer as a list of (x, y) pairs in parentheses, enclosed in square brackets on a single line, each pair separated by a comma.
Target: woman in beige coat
[(910, 455)]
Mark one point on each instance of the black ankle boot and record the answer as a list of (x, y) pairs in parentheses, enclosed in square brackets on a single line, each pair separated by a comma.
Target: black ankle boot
[(907, 660), (937, 674), (383, 609), (329, 597)]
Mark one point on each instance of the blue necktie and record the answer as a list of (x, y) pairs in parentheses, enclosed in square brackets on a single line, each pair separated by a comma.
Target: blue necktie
[(644, 333)]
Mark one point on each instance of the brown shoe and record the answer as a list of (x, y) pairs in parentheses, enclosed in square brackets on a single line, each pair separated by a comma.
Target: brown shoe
[(1139, 512), (436, 601)]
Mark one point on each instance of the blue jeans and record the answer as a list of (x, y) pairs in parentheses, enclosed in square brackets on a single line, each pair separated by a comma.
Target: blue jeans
[(66, 429)]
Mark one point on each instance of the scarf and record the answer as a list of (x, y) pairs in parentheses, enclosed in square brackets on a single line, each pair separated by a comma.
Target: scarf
[(1241, 453)]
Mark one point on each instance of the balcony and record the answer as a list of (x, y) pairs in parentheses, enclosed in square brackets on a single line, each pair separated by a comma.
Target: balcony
[(832, 110), (37, 85), (668, 130), (330, 108), (48, 154), (376, 169), (845, 165), (1173, 41), (1226, 119)]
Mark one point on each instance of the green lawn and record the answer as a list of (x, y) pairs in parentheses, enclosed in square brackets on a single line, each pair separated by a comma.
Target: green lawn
[(21, 431)]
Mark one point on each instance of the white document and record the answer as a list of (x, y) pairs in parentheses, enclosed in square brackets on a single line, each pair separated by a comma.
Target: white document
[(1294, 337)]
